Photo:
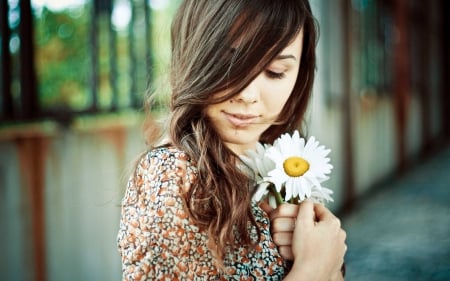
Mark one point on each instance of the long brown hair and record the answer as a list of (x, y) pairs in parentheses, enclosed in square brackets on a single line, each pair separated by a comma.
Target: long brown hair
[(203, 34)]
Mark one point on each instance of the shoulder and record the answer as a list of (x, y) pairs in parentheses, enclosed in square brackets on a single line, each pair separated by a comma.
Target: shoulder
[(155, 192), (162, 169), (164, 159), (167, 163), (156, 238)]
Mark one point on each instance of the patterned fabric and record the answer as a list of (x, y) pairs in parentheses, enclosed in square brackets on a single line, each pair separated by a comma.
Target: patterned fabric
[(158, 241)]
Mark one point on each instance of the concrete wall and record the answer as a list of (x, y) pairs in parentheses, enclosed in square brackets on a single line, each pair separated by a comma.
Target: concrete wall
[(84, 171), (372, 122)]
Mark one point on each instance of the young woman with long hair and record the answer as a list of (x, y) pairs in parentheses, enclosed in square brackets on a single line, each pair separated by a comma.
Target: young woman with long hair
[(241, 72)]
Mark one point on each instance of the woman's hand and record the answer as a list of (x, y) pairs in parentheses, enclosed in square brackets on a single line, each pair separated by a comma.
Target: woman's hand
[(310, 235), (282, 226)]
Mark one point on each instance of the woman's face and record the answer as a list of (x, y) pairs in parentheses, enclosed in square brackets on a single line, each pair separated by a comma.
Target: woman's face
[(242, 119)]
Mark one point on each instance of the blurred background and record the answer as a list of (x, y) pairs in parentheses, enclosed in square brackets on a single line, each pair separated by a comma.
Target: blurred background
[(73, 77)]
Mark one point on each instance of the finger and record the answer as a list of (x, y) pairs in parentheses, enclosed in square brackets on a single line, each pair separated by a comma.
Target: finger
[(285, 210), (265, 206), (286, 252), (322, 213), (282, 238), (306, 213), (344, 236), (283, 224), (337, 276)]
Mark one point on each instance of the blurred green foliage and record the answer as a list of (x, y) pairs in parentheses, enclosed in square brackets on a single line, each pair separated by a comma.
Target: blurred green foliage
[(62, 59), (64, 49)]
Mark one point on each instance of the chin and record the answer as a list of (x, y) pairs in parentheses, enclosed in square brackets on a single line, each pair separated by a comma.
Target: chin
[(241, 140)]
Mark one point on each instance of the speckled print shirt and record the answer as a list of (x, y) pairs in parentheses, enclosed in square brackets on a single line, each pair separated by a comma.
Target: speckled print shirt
[(158, 241)]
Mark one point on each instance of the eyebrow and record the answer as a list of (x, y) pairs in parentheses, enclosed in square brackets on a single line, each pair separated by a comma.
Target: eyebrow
[(283, 57)]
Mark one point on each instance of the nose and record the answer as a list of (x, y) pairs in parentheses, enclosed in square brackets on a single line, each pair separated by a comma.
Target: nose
[(249, 94)]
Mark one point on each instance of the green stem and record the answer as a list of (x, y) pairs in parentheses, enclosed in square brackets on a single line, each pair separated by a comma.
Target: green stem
[(278, 197)]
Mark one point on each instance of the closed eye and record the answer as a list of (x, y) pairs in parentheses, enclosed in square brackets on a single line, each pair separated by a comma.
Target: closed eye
[(275, 75)]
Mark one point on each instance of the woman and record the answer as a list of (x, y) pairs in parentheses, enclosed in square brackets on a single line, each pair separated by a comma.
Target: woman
[(242, 72)]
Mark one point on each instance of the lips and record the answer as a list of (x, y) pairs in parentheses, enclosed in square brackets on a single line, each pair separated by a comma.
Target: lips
[(240, 120)]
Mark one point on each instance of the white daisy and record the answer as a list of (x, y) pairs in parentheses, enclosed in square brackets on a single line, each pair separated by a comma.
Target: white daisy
[(257, 161), (260, 165), (300, 168)]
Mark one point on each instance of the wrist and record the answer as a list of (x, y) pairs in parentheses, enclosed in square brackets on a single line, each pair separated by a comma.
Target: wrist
[(303, 272)]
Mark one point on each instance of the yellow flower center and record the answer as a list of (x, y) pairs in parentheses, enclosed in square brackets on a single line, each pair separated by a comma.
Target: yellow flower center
[(295, 166)]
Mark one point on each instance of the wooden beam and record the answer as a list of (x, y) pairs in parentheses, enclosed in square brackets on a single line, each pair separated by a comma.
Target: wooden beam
[(5, 34), (401, 80), (445, 96), (28, 85), (32, 151), (348, 177)]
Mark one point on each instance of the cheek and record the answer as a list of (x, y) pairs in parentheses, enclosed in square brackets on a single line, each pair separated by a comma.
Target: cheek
[(278, 98), (277, 103), (210, 112)]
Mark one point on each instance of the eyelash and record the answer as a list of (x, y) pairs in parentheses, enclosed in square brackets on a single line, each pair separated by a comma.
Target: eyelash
[(275, 75)]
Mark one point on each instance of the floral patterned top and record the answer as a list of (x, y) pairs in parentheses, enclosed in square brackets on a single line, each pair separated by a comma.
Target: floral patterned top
[(158, 241)]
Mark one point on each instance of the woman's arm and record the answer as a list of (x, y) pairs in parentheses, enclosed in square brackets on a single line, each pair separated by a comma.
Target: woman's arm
[(154, 236)]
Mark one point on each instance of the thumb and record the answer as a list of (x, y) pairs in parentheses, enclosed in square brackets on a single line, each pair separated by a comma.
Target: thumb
[(306, 214)]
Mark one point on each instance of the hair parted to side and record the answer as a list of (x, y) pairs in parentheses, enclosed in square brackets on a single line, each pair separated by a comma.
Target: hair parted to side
[(204, 33)]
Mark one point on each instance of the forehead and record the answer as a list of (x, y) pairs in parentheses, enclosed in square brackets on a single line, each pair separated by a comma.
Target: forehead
[(295, 46)]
